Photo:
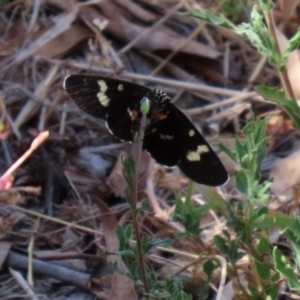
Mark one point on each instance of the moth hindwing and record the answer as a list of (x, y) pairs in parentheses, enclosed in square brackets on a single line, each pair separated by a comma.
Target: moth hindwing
[(170, 137)]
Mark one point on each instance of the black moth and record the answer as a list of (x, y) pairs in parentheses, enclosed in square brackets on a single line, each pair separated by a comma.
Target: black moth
[(170, 138)]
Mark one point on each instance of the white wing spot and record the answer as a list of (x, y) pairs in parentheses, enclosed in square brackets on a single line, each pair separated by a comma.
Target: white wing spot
[(129, 112), (104, 100), (195, 155), (191, 132), (120, 87)]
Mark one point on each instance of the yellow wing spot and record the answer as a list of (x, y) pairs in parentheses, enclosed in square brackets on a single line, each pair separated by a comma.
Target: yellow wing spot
[(202, 149), (195, 155), (120, 87), (104, 100), (191, 132), (103, 85)]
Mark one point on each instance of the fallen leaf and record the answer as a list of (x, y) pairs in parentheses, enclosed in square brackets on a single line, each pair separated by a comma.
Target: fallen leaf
[(293, 63), (122, 287), (286, 173)]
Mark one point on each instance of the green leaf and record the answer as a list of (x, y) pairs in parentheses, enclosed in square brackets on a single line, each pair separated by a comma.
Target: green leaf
[(240, 152), (208, 267), (293, 44), (256, 32), (242, 182), (189, 215), (221, 244), (292, 233), (263, 271), (263, 246), (209, 17), (290, 106), (285, 270), (264, 187), (174, 288), (226, 150), (129, 171), (149, 244)]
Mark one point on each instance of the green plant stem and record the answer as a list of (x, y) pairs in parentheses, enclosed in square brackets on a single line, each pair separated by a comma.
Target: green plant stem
[(284, 74), (190, 190), (243, 290), (257, 278), (137, 150), (205, 248)]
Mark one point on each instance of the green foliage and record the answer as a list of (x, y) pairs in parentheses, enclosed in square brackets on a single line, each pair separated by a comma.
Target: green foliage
[(235, 9), (249, 219), (292, 233), (189, 215), (130, 256), (208, 267), (289, 105), (258, 32), (129, 173), (133, 254), (249, 156), (228, 247), (284, 268), (211, 18), (264, 269)]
